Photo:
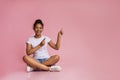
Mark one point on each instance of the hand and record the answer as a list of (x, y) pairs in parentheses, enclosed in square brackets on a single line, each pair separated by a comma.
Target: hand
[(61, 32), (43, 42)]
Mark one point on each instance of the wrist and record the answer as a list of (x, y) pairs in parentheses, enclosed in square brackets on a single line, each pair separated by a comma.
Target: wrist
[(39, 45)]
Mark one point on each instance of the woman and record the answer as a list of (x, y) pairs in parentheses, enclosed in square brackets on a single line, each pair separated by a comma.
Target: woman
[(37, 46)]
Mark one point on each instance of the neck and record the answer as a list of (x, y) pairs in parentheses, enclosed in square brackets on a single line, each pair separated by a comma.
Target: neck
[(37, 36)]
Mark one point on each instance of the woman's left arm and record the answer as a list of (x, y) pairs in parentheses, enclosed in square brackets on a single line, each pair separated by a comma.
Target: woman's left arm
[(56, 45)]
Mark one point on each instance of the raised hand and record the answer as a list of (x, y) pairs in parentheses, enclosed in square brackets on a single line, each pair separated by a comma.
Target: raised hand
[(43, 42), (61, 32)]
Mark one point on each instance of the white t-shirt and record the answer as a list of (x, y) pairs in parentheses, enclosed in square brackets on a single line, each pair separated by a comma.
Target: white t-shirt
[(42, 52)]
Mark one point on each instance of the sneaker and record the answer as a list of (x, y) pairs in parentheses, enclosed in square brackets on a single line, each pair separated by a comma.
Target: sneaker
[(29, 69), (55, 68)]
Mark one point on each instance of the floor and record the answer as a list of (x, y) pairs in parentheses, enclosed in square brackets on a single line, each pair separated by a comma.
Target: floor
[(67, 73)]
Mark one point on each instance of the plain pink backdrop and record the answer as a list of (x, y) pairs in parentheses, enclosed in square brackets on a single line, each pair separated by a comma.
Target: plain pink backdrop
[(91, 40)]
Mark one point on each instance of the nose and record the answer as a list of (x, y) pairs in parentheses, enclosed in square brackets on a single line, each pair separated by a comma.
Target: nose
[(38, 29)]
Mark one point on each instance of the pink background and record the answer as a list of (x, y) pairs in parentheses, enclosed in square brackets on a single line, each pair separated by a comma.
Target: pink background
[(91, 40)]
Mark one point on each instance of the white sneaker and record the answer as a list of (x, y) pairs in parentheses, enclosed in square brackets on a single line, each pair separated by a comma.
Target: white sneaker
[(29, 69), (55, 68)]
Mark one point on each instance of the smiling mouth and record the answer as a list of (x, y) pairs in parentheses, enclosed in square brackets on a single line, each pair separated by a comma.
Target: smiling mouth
[(38, 32)]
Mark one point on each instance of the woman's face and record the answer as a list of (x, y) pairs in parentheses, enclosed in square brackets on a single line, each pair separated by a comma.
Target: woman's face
[(38, 29)]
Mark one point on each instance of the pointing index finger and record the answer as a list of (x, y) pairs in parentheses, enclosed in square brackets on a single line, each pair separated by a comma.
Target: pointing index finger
[(43, 39)]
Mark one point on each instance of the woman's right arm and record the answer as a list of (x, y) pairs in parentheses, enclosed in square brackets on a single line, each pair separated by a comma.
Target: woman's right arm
[(30, 50)]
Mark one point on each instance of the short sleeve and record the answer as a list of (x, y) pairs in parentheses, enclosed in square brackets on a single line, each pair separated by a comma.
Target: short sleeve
[(29, 41)]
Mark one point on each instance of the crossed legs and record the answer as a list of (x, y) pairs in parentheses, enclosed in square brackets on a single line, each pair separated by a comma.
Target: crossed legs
[(37, 65)]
